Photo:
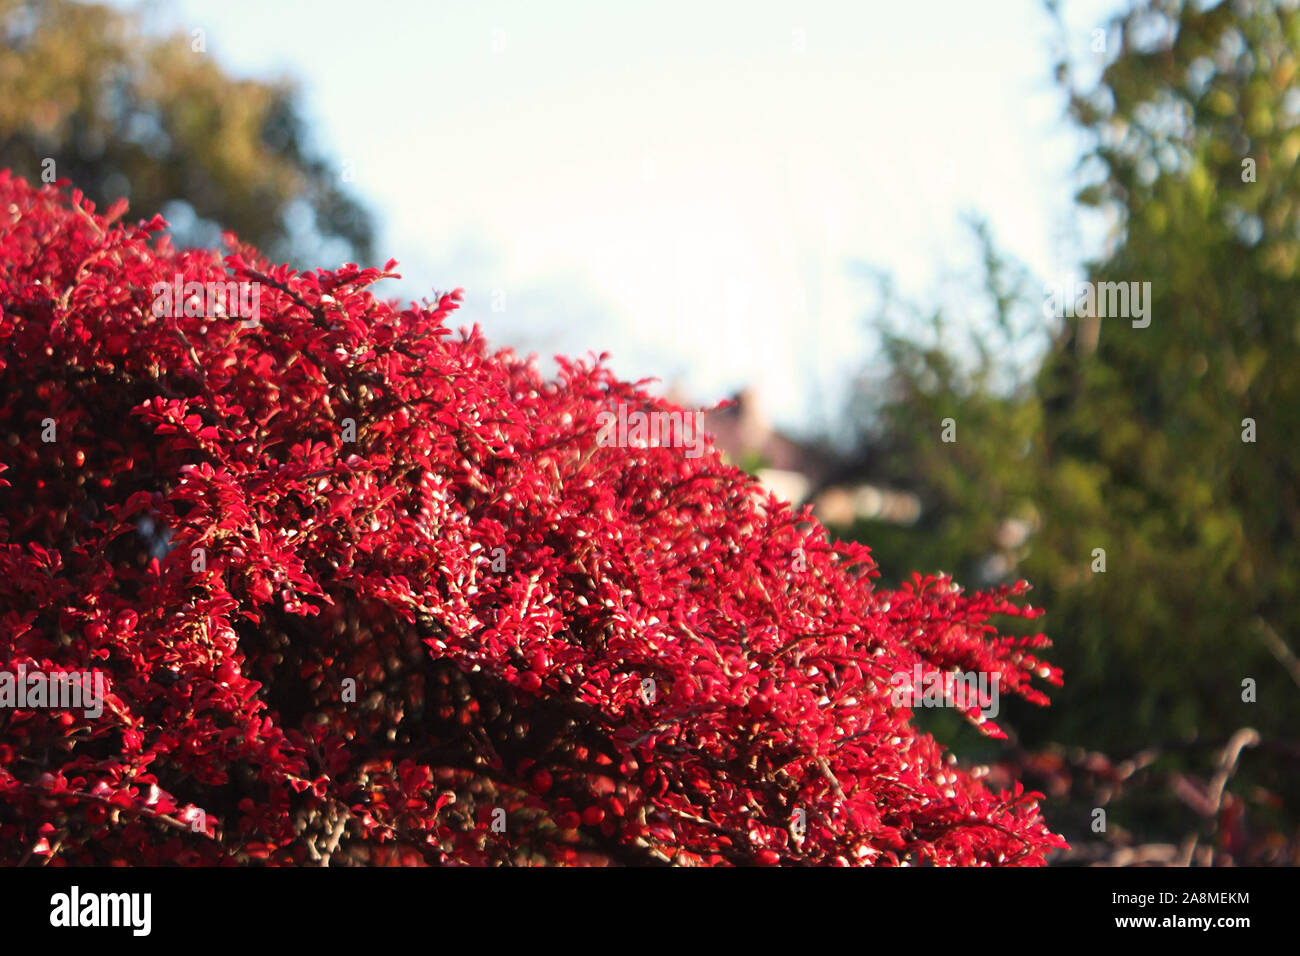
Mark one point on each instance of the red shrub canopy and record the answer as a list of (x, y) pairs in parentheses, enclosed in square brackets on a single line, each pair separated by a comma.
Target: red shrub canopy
[(359, 588)]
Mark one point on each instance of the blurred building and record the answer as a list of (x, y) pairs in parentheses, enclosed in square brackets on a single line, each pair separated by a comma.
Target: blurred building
[(800, 472)]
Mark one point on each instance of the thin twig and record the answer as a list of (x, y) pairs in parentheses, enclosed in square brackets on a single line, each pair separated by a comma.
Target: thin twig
[(1280, 650), (335, 836)]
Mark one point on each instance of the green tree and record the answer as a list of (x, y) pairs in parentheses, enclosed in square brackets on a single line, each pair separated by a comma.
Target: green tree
[(1150, 453), (91, 97), (1134, 439)]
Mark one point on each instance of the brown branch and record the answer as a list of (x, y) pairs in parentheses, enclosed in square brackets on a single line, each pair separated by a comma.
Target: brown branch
[(1246, 737)]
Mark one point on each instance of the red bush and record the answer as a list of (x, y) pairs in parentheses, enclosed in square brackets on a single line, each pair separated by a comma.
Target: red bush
[(183, 515)]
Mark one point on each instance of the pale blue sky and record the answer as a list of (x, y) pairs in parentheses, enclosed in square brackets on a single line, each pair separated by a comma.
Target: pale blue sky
[(683, 184)]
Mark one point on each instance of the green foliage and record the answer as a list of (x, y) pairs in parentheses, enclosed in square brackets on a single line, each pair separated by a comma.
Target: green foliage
[(1130, 439), (156, 121)]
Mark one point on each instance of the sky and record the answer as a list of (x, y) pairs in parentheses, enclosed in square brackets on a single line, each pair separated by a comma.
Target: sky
[(695, 187)]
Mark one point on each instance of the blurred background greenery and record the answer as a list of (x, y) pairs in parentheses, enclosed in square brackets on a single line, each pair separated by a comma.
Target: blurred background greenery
[(125, 113), (1131, 440)]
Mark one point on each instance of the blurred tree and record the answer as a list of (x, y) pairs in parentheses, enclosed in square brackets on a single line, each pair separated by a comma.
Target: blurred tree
[(1149, 451), (1133, 439), (91, 97)]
